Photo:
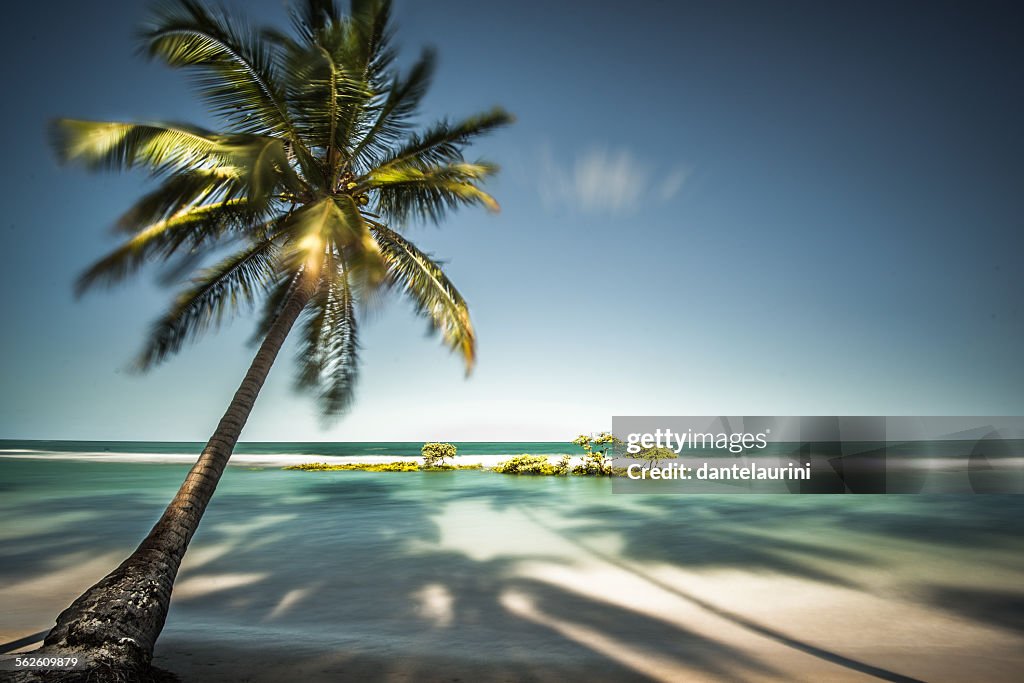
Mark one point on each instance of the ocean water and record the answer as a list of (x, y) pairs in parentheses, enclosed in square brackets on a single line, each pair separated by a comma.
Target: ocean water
[(310, 448), (949, 448), (446, 575), (939, 466)]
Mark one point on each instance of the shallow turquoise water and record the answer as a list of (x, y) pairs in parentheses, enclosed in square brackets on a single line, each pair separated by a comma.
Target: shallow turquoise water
[(373, 566)]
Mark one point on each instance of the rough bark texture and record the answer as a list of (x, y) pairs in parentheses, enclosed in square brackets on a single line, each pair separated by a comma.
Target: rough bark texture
[(114, 625)]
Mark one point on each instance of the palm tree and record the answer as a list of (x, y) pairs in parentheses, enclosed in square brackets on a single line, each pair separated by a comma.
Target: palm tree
[(319, 164)]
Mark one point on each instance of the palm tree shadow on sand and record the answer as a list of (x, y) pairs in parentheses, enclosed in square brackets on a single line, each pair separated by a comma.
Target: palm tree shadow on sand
[(474, 576)]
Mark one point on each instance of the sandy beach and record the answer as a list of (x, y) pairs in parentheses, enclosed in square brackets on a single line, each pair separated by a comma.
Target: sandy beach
[(477, 577)]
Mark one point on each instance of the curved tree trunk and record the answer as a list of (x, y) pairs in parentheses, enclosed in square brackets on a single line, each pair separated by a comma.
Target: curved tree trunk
[(114, 625)]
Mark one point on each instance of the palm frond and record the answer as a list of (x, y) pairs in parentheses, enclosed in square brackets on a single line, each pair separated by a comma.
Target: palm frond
[(362, 50), (320, 91), (235, 282), (309, 17), (259, 163), (318, 224), (187, 230), (181, 191), (328, 353), (233, 67), (392, 116), (434, 296), (113, 145), (443, 142), (265, 168), (428, 192), (332, 223), (369, 45)]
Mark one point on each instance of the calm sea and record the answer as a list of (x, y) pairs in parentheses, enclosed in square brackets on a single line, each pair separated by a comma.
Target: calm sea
[(311, 448), (369, 576), (958, 448)]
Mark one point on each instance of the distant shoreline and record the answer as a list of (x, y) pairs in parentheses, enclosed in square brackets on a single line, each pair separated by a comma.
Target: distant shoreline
[(251, 459)]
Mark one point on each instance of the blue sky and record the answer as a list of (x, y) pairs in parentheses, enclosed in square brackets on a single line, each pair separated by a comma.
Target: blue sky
[(708, 208)]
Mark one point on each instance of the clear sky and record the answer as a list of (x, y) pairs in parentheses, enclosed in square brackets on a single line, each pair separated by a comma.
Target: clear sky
[(709, 208)]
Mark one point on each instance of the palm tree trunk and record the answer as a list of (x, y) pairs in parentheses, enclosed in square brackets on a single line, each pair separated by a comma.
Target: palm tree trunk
[(115, 624)]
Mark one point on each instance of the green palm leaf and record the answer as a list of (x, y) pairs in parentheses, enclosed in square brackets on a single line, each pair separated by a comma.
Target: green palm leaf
[(311, 16), (329, 351), (182, 191), (235, 282), (443, 142), (392, 117), (259, 163), (410, 190), (321, 92), (364, 51), (433, 294), (233, 67), (162, 147), (190, 230)]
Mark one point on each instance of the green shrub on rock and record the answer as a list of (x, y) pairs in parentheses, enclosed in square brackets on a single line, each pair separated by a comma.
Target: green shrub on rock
[(595, 464), (526, 464), (434, 454), (655, 454)]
